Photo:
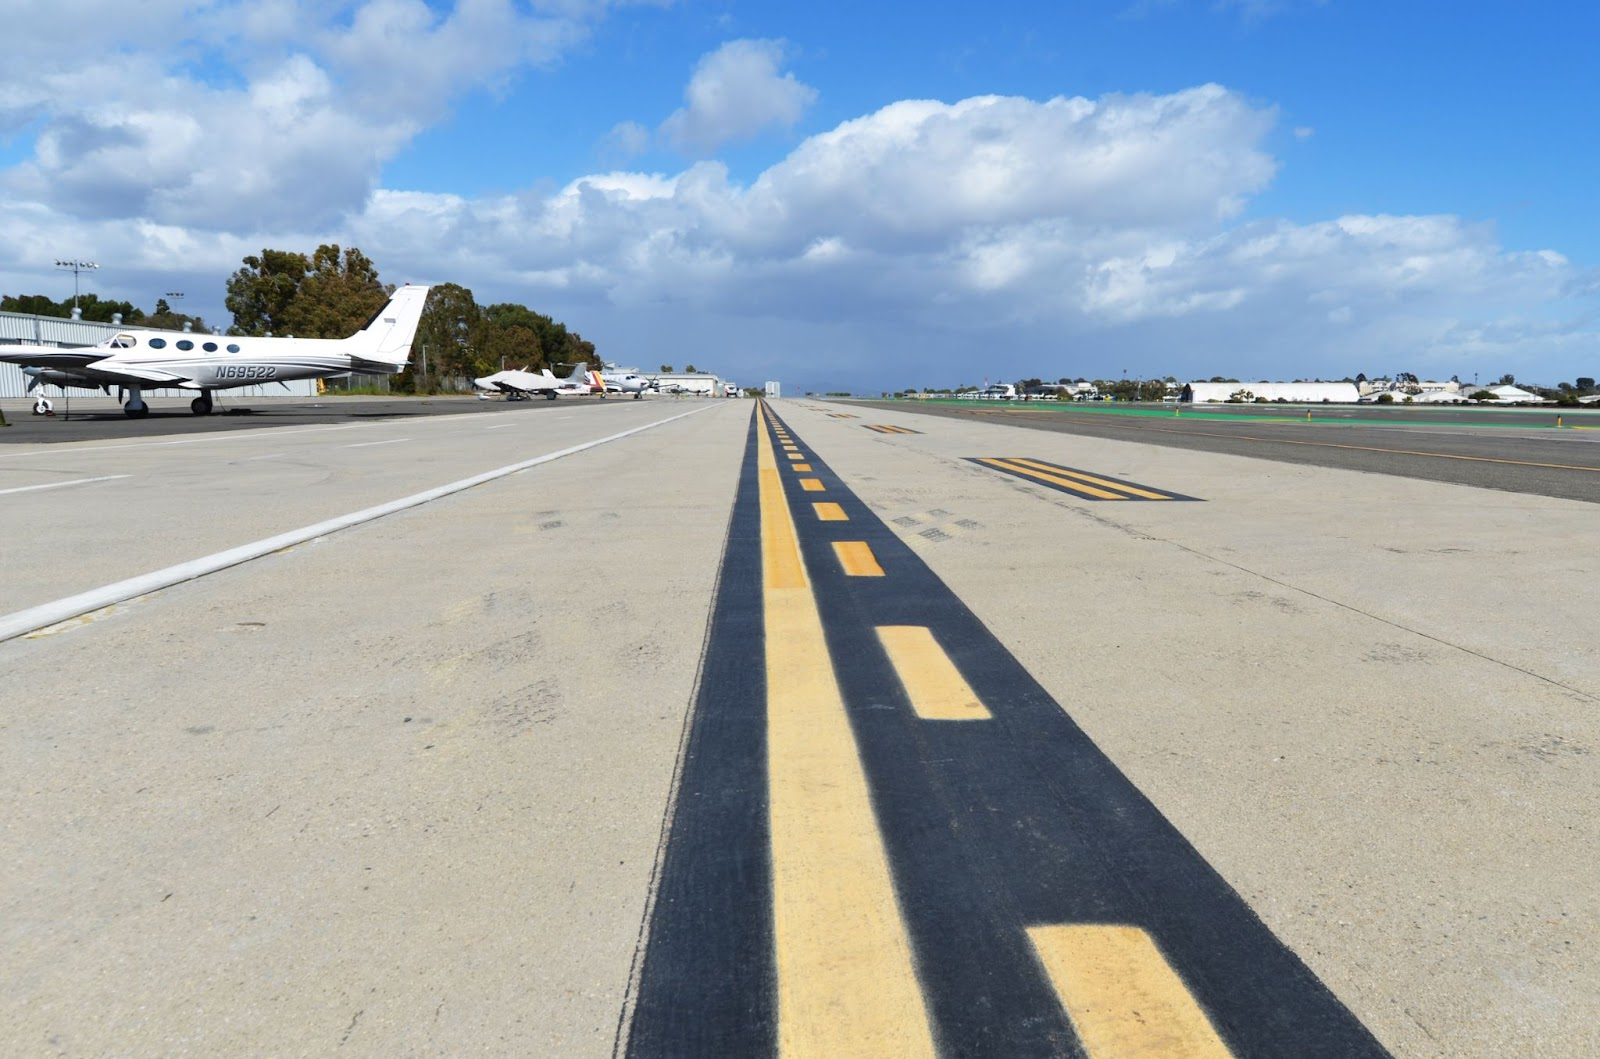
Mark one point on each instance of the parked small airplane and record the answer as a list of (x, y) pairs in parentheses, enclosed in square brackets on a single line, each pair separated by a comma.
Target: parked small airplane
[(583, 380), (630, 382), (136, 359), (520, 385)]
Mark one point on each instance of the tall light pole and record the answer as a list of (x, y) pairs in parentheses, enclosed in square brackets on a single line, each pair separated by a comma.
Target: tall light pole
[(75, 267), (177, 299)]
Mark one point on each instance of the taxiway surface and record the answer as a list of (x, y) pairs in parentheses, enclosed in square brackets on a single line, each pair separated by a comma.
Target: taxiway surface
[(642, 748), (1548, 451)]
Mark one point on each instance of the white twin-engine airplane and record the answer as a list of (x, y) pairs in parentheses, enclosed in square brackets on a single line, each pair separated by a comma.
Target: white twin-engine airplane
[(136, 360)]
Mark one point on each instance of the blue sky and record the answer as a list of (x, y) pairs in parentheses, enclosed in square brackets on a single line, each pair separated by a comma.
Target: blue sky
[(1241, 187)]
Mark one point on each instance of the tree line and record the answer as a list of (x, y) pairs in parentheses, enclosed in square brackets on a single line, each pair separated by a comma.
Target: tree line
[(94, 309), (333, 292)]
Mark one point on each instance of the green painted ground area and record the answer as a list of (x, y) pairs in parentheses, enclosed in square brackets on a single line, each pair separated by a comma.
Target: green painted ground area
[(1328, 415)]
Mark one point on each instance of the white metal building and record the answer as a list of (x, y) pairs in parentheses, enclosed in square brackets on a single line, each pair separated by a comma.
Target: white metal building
[(1299, 392), (690, 382)]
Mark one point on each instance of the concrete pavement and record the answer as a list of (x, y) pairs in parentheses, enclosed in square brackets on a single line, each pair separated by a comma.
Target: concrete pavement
[(401, 789)]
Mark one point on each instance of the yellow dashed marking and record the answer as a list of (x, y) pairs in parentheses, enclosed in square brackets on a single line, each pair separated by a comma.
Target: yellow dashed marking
[(935, 687), (800, 467), (1124, 1000), (812, 485), (857, 559), (795, 456), (846, 981), (829, 512)]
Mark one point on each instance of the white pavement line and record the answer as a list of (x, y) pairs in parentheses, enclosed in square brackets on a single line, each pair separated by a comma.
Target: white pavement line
[(22, 622), (500, 426), (253, 459), (369, 444), (214, 435), (58, 485)]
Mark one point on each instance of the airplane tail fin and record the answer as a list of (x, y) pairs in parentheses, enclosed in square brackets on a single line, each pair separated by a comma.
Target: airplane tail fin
[(386, 340)]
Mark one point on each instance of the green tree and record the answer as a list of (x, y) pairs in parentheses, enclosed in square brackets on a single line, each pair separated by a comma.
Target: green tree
[(337, 296), (666, 367), (1584, 383), (330, 294), (32, 304), (102, 312), (261, 292), (444, 350), (90, 304), (168, 320)]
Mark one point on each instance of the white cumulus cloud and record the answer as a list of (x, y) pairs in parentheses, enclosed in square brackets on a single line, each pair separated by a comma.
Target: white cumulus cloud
[(249, 115), (737, 92), (1058, 236)]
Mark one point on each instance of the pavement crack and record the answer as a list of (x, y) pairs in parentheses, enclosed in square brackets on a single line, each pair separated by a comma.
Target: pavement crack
[(1463, 648), (348, 1030)]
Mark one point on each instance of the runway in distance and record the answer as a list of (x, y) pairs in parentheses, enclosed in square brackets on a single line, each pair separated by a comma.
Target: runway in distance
[(136, 359)]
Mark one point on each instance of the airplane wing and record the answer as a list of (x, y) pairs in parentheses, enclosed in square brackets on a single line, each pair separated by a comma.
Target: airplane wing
[(138, 376), (67, 358)]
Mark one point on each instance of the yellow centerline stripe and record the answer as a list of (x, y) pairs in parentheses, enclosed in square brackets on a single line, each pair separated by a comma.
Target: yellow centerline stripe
[(937, 690), (1053, 479), (1150, 494), (827, 512), (800, 467), (847, 985), (857, 559), (812, 485), (1123, 997)]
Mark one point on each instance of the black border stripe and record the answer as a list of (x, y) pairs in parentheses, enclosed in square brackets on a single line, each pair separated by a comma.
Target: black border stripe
[(708, 984), (995, 826)]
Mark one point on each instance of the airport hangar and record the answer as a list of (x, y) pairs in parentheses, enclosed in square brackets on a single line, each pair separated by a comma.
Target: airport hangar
[(27, 330)]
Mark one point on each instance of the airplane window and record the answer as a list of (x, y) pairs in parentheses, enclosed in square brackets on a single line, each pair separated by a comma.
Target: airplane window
[(184, 343), (123, 342), (158, 343), (210, 347), (232, 347)]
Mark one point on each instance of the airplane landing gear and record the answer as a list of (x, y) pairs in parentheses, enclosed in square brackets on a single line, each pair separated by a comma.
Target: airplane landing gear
[(136, 408), (43, 407), (201, 406), (637, 396), (549, 395)]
